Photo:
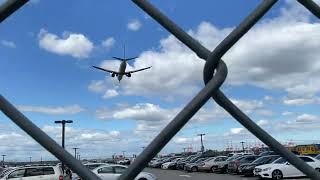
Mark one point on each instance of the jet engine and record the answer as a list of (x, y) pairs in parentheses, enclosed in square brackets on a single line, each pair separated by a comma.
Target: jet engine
[(128, 75), (112, 75)]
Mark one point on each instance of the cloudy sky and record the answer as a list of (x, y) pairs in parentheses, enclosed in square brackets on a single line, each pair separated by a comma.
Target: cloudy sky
[(47, 49)]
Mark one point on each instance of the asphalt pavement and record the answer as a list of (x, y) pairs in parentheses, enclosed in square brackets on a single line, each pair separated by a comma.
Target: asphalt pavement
[(182, 175)]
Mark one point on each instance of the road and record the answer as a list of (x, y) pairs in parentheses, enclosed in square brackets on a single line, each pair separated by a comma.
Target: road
[(182, 175)]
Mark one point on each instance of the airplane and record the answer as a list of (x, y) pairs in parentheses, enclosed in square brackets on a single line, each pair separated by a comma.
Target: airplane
[(122, 69)]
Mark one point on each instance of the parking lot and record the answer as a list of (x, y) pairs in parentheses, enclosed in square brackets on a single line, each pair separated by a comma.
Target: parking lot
[(182, 175)]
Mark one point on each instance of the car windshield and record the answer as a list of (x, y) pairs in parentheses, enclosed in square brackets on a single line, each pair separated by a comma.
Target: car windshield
[(265, 159), (200, 160), (92, 166), (231, 158), (194, 159), (208, 159), (280, 161), (318, 157), (188, 158)]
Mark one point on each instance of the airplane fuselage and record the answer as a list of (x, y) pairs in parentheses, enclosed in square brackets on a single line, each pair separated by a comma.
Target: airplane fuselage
[(122, 70)]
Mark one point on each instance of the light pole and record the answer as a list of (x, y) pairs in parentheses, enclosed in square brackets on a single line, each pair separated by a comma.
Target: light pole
[(202, 147), (242, 145), (30, 158), (63, 122), (184, 149), (75, 152), (3, 155)]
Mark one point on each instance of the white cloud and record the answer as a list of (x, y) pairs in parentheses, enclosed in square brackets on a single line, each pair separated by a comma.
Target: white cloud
[(9, 44), (70, 109), (306, 118), (287, 113), (97, 86), (145, 112), (301, 123), (108, 43), (301, 101), (134, 25), (110, 93), (263, 122), (76, 45)]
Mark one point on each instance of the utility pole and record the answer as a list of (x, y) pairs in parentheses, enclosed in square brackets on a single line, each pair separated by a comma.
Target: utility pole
[(63, 122), (75, 152), (30, 158), (184, 149), (202, 147), (242, 145), (3, 155)]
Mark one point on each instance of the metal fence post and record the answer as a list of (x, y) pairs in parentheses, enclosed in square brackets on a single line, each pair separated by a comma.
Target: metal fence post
[(9, 7)]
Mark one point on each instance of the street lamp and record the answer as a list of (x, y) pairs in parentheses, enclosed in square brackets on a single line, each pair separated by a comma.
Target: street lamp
[(63, 122), (202, 147), (3, 155), (75, 152), (242, 145)]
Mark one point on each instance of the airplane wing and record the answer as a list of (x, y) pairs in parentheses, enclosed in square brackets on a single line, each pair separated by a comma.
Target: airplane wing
[(110, 71), (138, 70), (121, 59)]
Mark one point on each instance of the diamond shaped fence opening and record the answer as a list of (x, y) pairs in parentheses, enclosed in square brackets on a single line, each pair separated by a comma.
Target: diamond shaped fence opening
[(215, 73)]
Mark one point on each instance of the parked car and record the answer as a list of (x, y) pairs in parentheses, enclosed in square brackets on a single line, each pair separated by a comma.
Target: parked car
[(267, 153), (124, 162), (180, 164), (34, 173), (223, 165), (172, 164), (194, 166), (211, 164), (280, 168), (247, 169), (92, 166), (113, 171), (158, 163), (238, 154), (233, 166)]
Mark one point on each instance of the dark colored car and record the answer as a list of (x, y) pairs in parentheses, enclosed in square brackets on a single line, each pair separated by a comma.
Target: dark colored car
[(194, 166), (180, 164), (233, 166), (247, 169), (267, 153)]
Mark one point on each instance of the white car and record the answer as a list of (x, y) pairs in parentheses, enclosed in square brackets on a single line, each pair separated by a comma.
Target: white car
[(211, 164), (282, 169), (113, 172), (34, 173)]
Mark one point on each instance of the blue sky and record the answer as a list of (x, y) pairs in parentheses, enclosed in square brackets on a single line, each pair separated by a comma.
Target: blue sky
[(47, 49)]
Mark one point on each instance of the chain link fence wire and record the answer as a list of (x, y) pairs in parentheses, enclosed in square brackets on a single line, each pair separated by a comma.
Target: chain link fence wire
[(215, 73)]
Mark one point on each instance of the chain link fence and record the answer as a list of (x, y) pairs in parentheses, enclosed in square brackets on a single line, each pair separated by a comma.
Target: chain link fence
[(214, 74)]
